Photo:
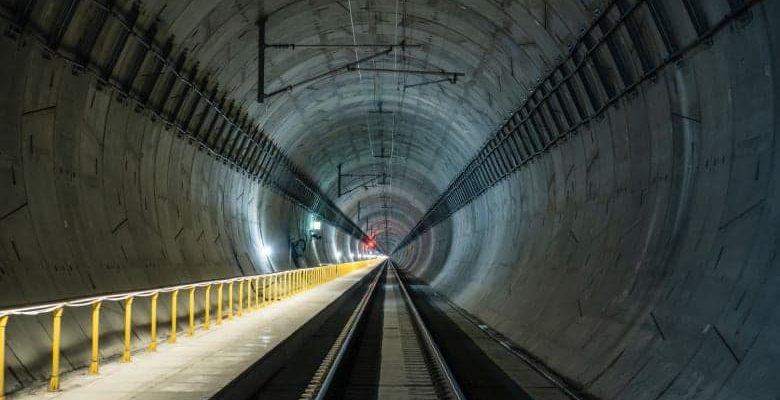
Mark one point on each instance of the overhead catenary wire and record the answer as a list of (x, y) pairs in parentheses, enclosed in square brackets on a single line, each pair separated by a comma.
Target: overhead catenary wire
[(354, 39)]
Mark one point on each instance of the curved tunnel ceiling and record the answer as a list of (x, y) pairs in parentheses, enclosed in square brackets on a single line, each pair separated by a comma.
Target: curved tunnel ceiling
[(419, 137), (599, 185)]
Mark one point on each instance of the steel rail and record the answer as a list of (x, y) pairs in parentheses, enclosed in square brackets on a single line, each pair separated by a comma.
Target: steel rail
[(428, 339), (331, 362), (319, 390)]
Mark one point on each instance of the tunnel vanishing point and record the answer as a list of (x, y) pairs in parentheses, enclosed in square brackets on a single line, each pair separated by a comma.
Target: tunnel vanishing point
[(584, 189)]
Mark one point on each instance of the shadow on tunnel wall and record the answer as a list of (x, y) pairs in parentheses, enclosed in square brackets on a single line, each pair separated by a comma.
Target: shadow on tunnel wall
[(638, 258), (99, 196)]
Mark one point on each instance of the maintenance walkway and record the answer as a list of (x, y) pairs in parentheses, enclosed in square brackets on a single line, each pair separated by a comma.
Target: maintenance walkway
[(200, 366)]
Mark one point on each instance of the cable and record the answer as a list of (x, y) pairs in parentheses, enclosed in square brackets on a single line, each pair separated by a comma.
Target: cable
[(354, 39)]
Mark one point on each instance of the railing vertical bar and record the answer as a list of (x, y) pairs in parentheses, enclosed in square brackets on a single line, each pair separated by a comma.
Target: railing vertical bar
[(54, 382), (93, 365), (174, 299), (207, 309), (153, 333), (219, 304), (240, 297), (128, 328), (3, 324), (230, 300), (191, 330)]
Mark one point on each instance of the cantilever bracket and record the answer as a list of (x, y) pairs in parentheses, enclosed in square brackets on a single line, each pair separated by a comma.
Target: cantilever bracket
[(343, 68)]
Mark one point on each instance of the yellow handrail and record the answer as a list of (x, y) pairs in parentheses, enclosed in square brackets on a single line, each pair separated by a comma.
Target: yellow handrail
[(270, 288)]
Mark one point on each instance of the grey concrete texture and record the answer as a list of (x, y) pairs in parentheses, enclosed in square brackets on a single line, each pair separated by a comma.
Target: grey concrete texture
[(639, 258), (99, 198)]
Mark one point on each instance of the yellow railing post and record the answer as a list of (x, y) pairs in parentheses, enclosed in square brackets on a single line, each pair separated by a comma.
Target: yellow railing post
[(248, 295), (262, 283), (153, 333), (191, 330), (54, 382), (219, 304), (93, 364), (257, 293), (128, 327), (174, 299), (207, 307), (3, 324), (230, 300), (240, 297), (276, 288)]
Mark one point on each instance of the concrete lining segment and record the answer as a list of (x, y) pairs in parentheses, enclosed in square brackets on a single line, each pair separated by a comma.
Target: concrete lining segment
[(638, 257), (501, 46), (199, 367)]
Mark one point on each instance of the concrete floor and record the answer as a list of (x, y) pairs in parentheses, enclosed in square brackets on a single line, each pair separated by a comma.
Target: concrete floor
[(198, 367)]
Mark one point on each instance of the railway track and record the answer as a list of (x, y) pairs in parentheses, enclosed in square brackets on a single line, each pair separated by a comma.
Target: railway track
[(411, 364), (394, 339)]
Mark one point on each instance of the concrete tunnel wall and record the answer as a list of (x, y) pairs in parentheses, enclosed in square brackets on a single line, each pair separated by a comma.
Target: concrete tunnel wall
[(639, 258), (98, 198)]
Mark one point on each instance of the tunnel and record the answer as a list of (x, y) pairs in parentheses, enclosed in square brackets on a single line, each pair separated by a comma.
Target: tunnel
[(591, 181)]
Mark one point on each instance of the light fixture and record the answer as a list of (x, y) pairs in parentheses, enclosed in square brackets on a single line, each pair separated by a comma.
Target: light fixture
[(337, 254), (316, 225), (267, 250)]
